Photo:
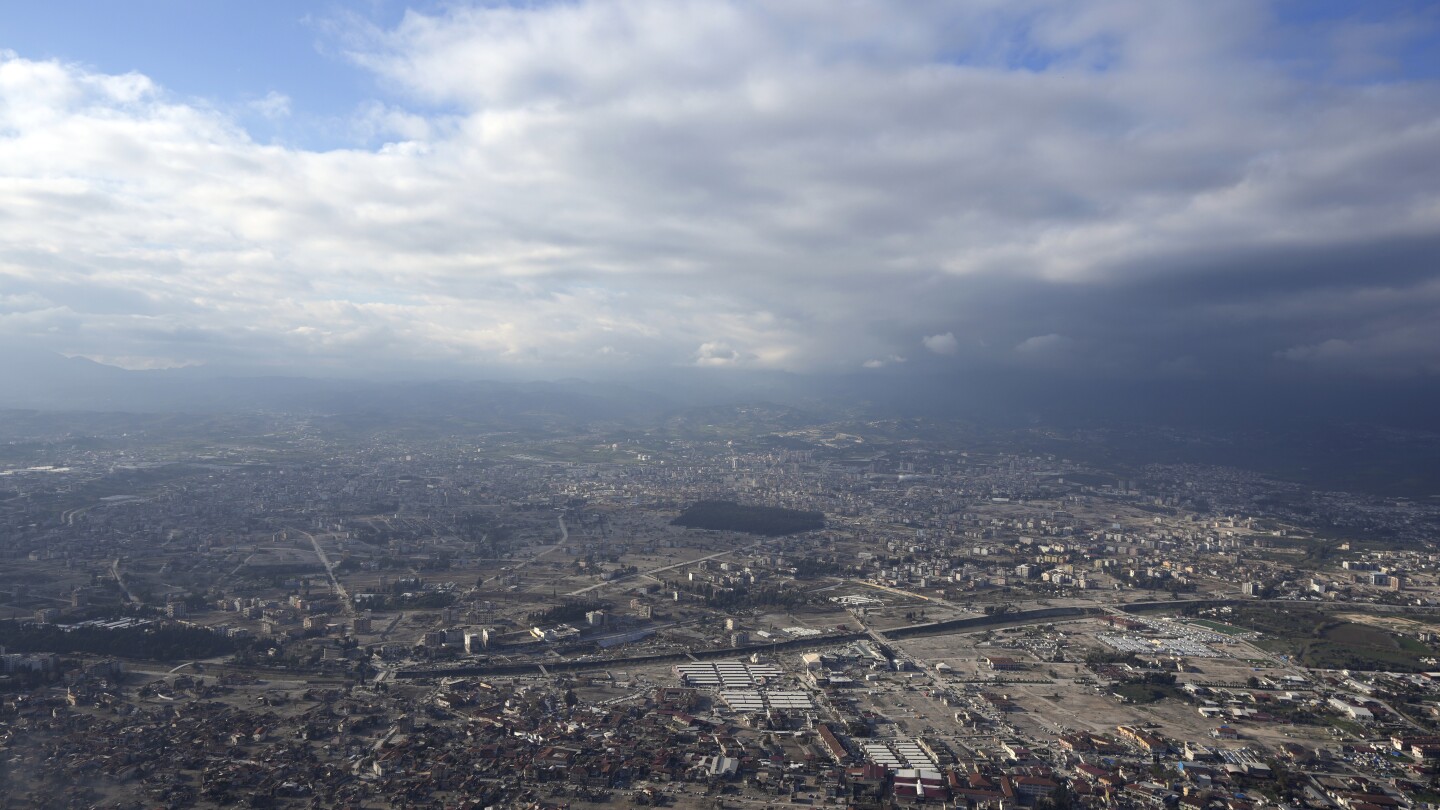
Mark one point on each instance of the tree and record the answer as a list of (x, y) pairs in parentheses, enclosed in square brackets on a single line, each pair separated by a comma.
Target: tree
[(1059, 800)]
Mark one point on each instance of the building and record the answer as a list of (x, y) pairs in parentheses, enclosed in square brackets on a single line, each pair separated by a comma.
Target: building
[(1145, 741)]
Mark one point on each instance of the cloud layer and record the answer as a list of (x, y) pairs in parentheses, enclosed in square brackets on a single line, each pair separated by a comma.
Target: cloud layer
[(1127, 188)]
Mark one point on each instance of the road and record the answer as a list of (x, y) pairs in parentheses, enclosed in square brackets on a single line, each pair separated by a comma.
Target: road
[(384, 634), (68, 516), (1389, 708), (653, 571), (564, 541), (120, 580), (330, 573)]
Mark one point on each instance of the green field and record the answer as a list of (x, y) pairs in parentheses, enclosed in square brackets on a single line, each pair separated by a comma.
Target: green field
[(1142, 692), (1218, 627)]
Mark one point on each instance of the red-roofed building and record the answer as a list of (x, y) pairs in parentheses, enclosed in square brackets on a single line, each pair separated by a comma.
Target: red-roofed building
[(1030, 789)]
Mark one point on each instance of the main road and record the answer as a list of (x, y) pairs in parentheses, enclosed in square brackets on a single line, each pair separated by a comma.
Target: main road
[(120, 580), (653, 571), (330, 573)]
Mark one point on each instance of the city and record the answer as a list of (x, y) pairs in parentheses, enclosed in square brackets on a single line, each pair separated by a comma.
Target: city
[(576, 404), (288, 619)]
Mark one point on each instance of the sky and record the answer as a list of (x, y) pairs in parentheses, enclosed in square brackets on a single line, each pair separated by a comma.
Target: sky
[(1115, 189)]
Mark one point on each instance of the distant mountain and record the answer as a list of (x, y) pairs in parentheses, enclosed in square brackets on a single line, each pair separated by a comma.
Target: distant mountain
[(47, 381), (994, 397), (38, 379)]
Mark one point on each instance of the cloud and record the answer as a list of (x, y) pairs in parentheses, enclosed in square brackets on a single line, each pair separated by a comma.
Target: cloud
[(716, 354), (273, 105), (1398, 350), (941, 344), (1043, 344), (554, 187), (1325, 351), (881, 362)]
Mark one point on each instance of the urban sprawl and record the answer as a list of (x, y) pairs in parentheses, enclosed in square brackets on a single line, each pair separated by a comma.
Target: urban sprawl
[(829, 615)]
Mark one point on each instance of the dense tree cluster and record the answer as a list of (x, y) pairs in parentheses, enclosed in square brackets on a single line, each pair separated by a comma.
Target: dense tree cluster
[(157, 643), (769, 521)]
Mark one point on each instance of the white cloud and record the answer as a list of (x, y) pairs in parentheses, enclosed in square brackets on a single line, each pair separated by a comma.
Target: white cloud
[(779, 185), (146, 363), (941, 344), (716, 354), (274, 105), (1043, 344), (881, 362)]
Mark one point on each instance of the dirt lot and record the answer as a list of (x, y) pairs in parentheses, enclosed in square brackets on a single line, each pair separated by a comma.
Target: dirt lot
[(1052, 697)]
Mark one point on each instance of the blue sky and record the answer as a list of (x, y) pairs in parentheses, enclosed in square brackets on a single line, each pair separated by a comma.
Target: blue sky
[(1111, 187), (218, 52), (1413, 41), (233, 53)]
